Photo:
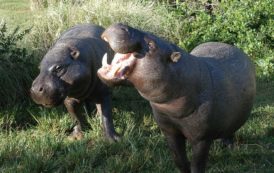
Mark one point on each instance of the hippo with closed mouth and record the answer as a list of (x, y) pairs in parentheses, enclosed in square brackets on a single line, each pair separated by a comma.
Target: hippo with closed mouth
[(68, 74), (199, 97)]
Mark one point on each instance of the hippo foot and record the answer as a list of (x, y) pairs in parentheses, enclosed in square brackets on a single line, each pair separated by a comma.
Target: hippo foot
[(76, 134), (113, 137)]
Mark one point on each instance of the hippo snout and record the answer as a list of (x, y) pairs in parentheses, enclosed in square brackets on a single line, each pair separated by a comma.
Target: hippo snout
[(123, 38), (36, 89), (36, 92), (47, 92)]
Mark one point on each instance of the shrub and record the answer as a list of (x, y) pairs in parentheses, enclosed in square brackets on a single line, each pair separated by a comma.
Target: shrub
[(246, 24), (16, 67)]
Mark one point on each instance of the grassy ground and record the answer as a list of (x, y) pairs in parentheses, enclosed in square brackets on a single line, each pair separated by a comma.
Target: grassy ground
[(17, 12), (34, 139), (37, 141)]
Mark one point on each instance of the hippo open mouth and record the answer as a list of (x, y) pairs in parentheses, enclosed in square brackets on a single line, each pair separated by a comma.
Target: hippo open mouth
[(120, 67), (127, 42)]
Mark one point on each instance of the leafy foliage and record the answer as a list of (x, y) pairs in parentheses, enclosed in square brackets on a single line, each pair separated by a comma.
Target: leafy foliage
[(246, 24), (16, 66)]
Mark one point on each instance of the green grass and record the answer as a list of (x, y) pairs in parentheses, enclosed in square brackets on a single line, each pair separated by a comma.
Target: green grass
[(40, 144), (16, 12), (34, 139)]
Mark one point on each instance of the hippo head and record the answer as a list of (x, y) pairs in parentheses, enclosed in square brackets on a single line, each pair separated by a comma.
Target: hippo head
[(63, 72), (140, 57)]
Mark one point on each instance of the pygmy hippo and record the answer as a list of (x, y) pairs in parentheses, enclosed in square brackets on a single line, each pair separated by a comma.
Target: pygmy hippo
[(199, 97), (68, 73)]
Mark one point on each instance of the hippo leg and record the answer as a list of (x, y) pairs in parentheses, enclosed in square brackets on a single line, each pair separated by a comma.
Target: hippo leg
[(177, 144), (200, 152), (175, 139), (89, 107), (104, 109), (73, 106)]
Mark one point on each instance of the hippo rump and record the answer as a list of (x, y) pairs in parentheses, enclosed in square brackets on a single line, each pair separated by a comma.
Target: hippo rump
[(199, 97), (68, 74)]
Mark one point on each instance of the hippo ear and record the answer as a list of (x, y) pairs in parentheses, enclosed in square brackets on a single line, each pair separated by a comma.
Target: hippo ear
[(74, 52), (175, 56), (150, 43)]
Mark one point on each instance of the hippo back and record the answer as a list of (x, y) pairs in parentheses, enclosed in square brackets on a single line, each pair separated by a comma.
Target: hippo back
[(226, 59), (83, 31), (232, 83)]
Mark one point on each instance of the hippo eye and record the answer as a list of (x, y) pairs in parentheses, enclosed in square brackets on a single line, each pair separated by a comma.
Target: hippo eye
[(55, 69), (58, 68)]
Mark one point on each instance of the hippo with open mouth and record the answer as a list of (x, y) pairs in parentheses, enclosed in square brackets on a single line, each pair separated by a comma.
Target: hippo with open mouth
[(199, 97), (68, 74)]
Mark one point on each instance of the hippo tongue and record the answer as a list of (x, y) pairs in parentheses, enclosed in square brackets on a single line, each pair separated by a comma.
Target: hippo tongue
[(120, 66)]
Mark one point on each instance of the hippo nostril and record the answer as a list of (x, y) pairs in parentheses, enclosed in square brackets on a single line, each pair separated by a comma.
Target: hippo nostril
[(40, 89)]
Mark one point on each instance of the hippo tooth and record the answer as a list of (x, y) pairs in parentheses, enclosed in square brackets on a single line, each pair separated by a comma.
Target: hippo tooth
[(105, 38), (119, 57), (104, 61)]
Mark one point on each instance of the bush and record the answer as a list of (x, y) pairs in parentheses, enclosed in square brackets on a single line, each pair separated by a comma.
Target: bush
[(16, 67), (246, 24)]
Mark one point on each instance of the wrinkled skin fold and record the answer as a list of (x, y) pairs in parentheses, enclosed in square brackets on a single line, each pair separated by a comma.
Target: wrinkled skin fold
[(198, 96), (68, 75)]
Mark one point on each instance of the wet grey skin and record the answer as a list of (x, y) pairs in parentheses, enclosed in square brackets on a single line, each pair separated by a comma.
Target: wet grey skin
[(68, 75), (199, 96)]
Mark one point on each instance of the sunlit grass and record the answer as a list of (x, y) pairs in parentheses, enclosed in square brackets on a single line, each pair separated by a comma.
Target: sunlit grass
[(142, 148), (17, 12)]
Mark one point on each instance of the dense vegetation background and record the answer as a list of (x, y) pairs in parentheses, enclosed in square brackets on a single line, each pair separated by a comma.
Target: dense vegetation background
[(33, 139)]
